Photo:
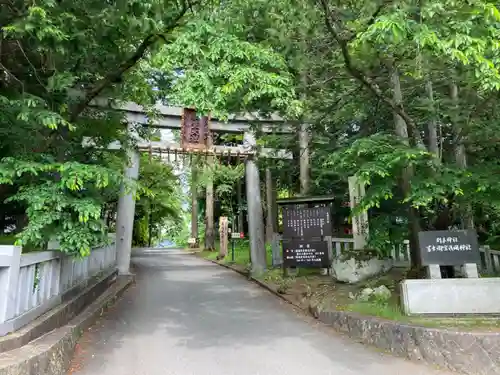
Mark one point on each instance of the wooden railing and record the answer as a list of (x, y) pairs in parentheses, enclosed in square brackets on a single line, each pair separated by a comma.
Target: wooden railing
[(490, 259), (33, 283)]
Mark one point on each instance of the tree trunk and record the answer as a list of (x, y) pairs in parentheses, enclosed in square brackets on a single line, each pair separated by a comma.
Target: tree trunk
[(270, 212), (150, 225), (401, 131), (241, 226), (305, 168), (460, 153), (432, 124), (209, 212), (194, 206)]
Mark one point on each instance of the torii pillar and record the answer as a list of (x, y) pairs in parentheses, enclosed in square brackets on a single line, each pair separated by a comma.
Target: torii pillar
[(126, 214), (255, 214)]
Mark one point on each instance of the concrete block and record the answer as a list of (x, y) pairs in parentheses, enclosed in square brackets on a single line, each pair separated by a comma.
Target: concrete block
[(451, 296), (433, 271), (470, 270)]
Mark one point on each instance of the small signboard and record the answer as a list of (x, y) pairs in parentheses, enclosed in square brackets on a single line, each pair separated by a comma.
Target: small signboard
[(449, 248), (236, 235), (300, 222), (303, 253), (195, 132), (192, 241)]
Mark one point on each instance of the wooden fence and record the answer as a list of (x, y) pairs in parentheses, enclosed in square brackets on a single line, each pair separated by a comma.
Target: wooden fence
[(33, 283)]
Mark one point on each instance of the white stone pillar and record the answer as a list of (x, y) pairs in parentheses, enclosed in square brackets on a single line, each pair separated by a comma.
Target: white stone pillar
[(255, 214), (359, 222), (126, 213), (9, 277)]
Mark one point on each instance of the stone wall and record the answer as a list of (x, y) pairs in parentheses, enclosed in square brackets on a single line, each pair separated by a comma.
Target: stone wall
[(471, 353)]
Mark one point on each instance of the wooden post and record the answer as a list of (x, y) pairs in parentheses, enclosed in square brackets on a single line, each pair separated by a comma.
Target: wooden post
[(209, 211), (359, 222), (255, 215), (223, 236)]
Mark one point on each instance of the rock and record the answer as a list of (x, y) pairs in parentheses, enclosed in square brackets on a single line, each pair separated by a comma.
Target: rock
[(365, 294), (353, 271), (381, 293)]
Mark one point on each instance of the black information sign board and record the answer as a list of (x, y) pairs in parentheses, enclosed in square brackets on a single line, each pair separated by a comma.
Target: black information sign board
[(449, 248), (303, 222), (303, 253)]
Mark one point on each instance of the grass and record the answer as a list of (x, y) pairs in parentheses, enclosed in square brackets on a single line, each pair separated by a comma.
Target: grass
[(241, 253), (393, 312), (7, 239), (308, 287), (337, 296)]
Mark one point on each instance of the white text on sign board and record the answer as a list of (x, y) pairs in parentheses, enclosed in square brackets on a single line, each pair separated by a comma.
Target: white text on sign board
[(432, 248)]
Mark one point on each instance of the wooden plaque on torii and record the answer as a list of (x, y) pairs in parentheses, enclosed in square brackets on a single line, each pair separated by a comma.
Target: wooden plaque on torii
[(195, 132)]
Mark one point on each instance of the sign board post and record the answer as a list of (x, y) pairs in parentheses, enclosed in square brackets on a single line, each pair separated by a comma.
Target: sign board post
[(235, 236), (307, 223), (449, 248)]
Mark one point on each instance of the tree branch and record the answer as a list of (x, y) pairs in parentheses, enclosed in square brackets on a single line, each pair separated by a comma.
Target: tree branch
[(115, 76), (368, 82)]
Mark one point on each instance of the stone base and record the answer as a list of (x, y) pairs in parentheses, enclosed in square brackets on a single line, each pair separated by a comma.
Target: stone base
[(353, 271), (451, 296)]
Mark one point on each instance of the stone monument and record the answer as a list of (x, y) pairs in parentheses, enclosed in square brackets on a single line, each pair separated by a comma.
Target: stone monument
[(436, 295)]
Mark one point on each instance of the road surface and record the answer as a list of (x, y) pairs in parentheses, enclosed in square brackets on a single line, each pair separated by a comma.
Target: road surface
[(186, 316)]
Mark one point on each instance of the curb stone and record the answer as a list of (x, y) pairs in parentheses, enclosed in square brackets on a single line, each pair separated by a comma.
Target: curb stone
[(51, 354), (469, 353)]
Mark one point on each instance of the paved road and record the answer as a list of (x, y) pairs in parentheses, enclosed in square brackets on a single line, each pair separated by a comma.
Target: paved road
[(189, 317)]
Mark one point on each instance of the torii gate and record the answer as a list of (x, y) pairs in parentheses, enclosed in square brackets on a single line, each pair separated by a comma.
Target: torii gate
[(170, 118)]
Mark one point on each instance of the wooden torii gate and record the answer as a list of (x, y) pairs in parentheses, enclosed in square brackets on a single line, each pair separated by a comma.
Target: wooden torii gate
[(171, 118)]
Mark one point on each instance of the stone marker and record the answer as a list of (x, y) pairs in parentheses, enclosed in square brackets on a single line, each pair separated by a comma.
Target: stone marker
[(449, 248), (469, 295)]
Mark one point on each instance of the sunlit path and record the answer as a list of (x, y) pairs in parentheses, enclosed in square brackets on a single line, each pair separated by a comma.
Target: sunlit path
[(189, 317)]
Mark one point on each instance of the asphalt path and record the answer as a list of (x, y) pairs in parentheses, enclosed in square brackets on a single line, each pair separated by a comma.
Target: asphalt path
[(186, 316)]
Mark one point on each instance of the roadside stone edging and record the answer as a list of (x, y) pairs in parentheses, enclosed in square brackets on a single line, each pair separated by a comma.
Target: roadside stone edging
[(51, 354), (470, 353)]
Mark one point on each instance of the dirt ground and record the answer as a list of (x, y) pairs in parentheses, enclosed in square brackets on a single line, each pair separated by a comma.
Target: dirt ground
[(309, 288)]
